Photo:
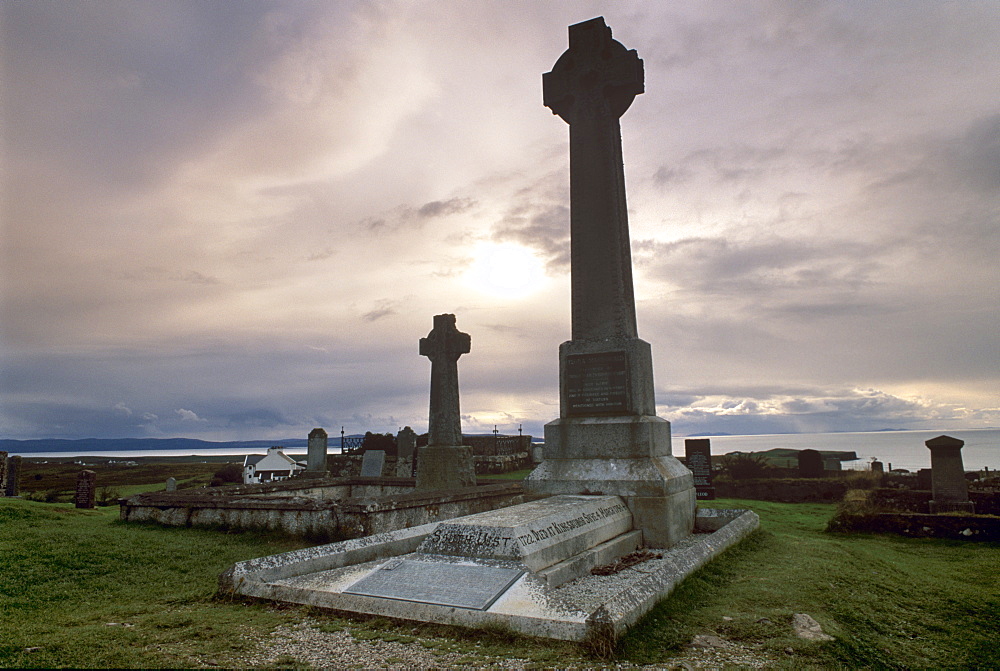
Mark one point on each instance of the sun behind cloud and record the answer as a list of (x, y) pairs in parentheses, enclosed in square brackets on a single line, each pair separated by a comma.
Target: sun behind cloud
[(505, 270)]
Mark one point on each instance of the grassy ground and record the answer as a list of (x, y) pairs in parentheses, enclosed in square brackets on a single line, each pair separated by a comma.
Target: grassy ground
[(56, 478), (86, 590), (890, 602)]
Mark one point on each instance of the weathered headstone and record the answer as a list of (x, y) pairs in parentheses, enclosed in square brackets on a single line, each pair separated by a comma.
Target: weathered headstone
[(949, 488), (13, 485), (924, 479), (371, 463), (86, 489), (171, 484), (698, 455), (810, 464), (316, 459), (608, 438), (445, 463), (406, 447), (878, 467)]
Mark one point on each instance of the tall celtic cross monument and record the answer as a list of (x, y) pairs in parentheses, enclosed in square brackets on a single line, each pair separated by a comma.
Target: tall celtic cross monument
[(608, 439), (444, 463)]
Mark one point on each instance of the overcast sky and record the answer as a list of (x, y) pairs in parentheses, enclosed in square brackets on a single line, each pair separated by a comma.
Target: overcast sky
[(235, 220)]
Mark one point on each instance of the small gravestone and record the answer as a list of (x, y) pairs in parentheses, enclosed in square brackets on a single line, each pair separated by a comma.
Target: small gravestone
[(406, 447), (316, 460), (924, 479), (445, 463), (698, 454), (371, 463), (12, 488), (877, 467), (86, 489), (3, 471), (810, 464), (171, 484), (949, 487)]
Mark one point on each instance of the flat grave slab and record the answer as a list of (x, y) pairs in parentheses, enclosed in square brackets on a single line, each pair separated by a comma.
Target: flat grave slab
[(471, 586), (537, 534)]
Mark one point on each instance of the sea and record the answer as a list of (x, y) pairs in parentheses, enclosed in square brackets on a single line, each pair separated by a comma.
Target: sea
[(901, 449)]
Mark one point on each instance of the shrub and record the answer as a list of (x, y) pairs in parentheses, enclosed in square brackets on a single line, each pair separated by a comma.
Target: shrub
[(228, 474), (744, 466)]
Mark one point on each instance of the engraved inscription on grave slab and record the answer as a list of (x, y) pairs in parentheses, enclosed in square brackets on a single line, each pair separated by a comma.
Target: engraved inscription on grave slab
[(597, 384), (470, 586)]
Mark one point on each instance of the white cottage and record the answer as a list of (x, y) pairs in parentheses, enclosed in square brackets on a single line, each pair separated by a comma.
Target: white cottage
[(270, 467)]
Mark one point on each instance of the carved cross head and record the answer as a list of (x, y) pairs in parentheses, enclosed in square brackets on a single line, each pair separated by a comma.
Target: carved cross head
[(445, 342), (597, 77)]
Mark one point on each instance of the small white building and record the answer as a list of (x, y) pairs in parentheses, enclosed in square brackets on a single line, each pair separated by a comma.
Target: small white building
[(270, 467)]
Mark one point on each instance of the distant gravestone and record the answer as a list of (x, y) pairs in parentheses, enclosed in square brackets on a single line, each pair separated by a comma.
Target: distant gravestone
[(950, 489), (924, 479), (810, 464), (86, 489), (318, 440), (12, 488), (371, 463), (698, 454), (406, 448), (171, 484), (877, 467), (3, 471), (445, 463)]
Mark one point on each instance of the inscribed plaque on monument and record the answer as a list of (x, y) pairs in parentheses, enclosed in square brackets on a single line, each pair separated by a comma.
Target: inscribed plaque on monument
[(597, 384), (441, 583)]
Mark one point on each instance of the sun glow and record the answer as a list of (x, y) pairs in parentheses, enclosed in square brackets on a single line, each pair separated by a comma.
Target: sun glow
[(506, 270)]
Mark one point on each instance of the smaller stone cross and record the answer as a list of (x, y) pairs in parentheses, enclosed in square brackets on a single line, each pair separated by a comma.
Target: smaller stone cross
[(443, 346)]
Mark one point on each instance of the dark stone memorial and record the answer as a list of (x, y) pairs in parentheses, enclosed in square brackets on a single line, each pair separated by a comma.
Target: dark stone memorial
[(810, 464), (316, 455), (949, 488), (445, 463), (698, 454), (86, 489), (608, 438), (13, 485), (372, 463)]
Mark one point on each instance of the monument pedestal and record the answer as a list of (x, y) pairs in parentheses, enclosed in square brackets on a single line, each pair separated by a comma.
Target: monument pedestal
[(609, 441), (445, 467), (656, 487)]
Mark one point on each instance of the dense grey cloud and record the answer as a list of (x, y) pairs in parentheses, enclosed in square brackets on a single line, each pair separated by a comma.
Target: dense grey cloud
[(235, 220)]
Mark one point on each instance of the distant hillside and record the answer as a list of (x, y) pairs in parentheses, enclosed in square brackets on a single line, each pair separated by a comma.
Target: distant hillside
[(121, 444)]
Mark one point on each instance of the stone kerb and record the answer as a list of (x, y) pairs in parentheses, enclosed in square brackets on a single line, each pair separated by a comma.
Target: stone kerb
[(537, 534)]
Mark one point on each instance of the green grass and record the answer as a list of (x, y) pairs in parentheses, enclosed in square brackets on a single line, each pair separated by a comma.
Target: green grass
[(67, 574), (890, 602), (71, 580)]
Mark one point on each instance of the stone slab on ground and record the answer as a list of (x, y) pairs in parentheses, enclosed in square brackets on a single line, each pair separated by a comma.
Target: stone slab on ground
[(537, 534), (588, 606)]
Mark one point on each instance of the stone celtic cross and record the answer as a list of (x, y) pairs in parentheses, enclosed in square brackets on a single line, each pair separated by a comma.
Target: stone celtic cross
[(591, 85), (443, 346)]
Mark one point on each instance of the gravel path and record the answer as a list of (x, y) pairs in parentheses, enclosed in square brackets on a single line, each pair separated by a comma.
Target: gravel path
[(305, 644)]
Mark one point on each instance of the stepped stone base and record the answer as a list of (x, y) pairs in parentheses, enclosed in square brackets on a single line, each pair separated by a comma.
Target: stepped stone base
[(445, 467), (657, 488)]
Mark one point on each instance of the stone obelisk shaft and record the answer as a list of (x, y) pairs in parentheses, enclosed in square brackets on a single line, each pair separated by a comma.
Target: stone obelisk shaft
[(608, 438)]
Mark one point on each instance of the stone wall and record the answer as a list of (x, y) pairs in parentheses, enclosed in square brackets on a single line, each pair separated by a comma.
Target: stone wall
[(784, 490), (916, 525), (371, 508), (349, 465), (916, 501)]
